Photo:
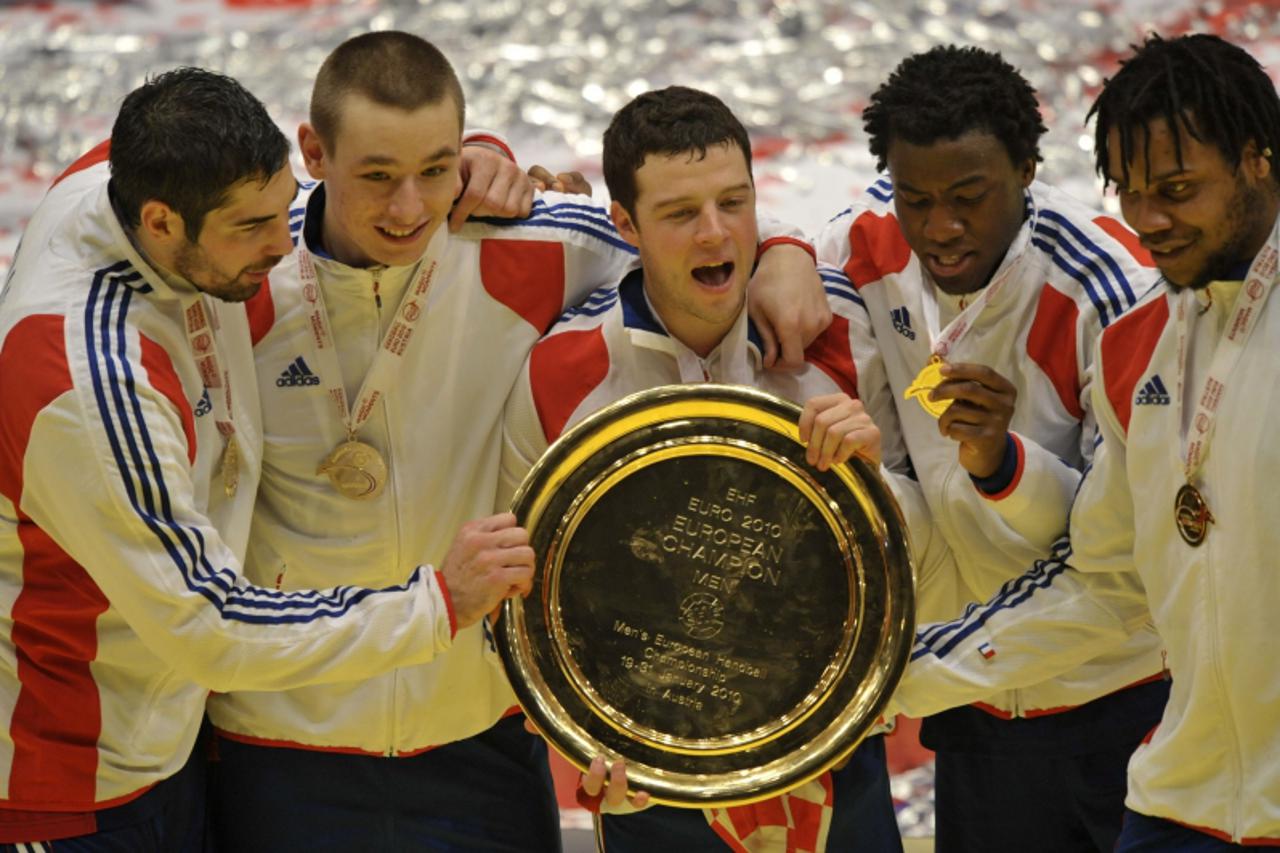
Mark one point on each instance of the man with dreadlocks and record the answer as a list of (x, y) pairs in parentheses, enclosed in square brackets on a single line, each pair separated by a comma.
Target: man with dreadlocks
[(1168, 527), (984, 287)]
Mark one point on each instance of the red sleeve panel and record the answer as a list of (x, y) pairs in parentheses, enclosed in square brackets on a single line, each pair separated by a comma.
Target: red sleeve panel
[(163, 378), (1127, 345), (1052, 344), (527, 276), (876, 249), (563, 370), (1126, 238), (831, 354), (261, 311), (57, 713), (92, 157)]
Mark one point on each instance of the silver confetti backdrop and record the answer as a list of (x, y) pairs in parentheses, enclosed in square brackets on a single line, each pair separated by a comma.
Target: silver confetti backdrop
[(550, 74)]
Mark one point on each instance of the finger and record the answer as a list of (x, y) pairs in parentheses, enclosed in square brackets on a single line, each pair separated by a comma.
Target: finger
[(465, 205), (593, 779), (498, 521), (506, 537), (520, 198), (846, 430), (531, 727), (790, 351), (574, 183), (979, 373), (971, 392), (807, 416), (861, 442), (617, 793), (770, 355), (640, 800), (542, 176)]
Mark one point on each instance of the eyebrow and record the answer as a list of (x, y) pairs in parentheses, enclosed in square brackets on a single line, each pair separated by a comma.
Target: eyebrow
[(684, 199), (963, 182), (1180, 171), (257, 220), (383, 160)]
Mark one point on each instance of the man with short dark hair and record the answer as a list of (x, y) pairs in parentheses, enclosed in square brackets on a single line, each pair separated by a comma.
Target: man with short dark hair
[(987, 291), (130, 450), (385, 348), (678, 166), (1170, 525)]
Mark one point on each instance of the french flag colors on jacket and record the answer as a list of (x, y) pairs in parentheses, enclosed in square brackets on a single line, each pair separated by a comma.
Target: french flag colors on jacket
[(1213, 763), (120, 550), (1069, 273)]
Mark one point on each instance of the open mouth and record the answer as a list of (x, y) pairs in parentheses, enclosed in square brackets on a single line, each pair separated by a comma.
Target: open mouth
[(714, 275), (947, 265)]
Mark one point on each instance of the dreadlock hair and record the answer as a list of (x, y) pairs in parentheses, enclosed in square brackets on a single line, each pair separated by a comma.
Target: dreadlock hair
[(949, 91), (1199, 84)]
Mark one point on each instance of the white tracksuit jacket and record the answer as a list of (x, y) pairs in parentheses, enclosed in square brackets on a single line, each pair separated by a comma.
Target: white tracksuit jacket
[(1213, 763), (1074, 272), (122, 602), (498, 287)]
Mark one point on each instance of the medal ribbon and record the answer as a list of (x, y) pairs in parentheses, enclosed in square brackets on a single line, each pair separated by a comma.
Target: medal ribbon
[(395, 342), (942, 341), (1244, 315), (200, 319)]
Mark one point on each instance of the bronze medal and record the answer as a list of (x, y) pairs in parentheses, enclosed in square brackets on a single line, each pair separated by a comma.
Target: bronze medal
[(231, 466), (356, 470), (1191, 515), (929, 377)]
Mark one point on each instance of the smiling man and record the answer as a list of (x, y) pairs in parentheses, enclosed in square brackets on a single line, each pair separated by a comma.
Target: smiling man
[(987, 291), (130, 451), (1170, 525)]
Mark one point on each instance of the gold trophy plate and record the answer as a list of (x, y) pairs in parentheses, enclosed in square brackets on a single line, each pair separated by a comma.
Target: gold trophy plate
[(706, 606)]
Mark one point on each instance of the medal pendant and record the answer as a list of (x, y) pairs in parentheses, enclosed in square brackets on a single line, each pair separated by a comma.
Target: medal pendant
[(929, 377), (1191, 515), (231, 467), (356, 470)]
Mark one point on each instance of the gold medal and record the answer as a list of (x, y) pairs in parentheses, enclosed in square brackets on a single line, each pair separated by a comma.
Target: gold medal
[(929, 377), (231, 466), (356, 470), (1191, 515)]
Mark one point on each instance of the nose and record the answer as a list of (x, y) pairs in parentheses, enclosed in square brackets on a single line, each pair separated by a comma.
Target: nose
[(1144, 215), (711, 230), (941, 225), (406, 202), (281, 242)]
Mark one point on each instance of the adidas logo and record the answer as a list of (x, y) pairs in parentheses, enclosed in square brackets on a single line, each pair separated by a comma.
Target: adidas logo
[(296, 375), (1153, 393), (902, 322), (205, 406)]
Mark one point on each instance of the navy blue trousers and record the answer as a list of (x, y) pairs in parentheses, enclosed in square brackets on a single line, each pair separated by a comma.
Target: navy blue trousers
[(1142, 834), (170, 818), (1060, 779), (863, 820), (491, 792)]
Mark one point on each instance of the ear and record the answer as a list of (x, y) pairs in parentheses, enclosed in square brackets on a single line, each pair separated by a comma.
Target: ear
[(623, 222), (312, 150), (161, 224), (1257, 164), (1028, 172)]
